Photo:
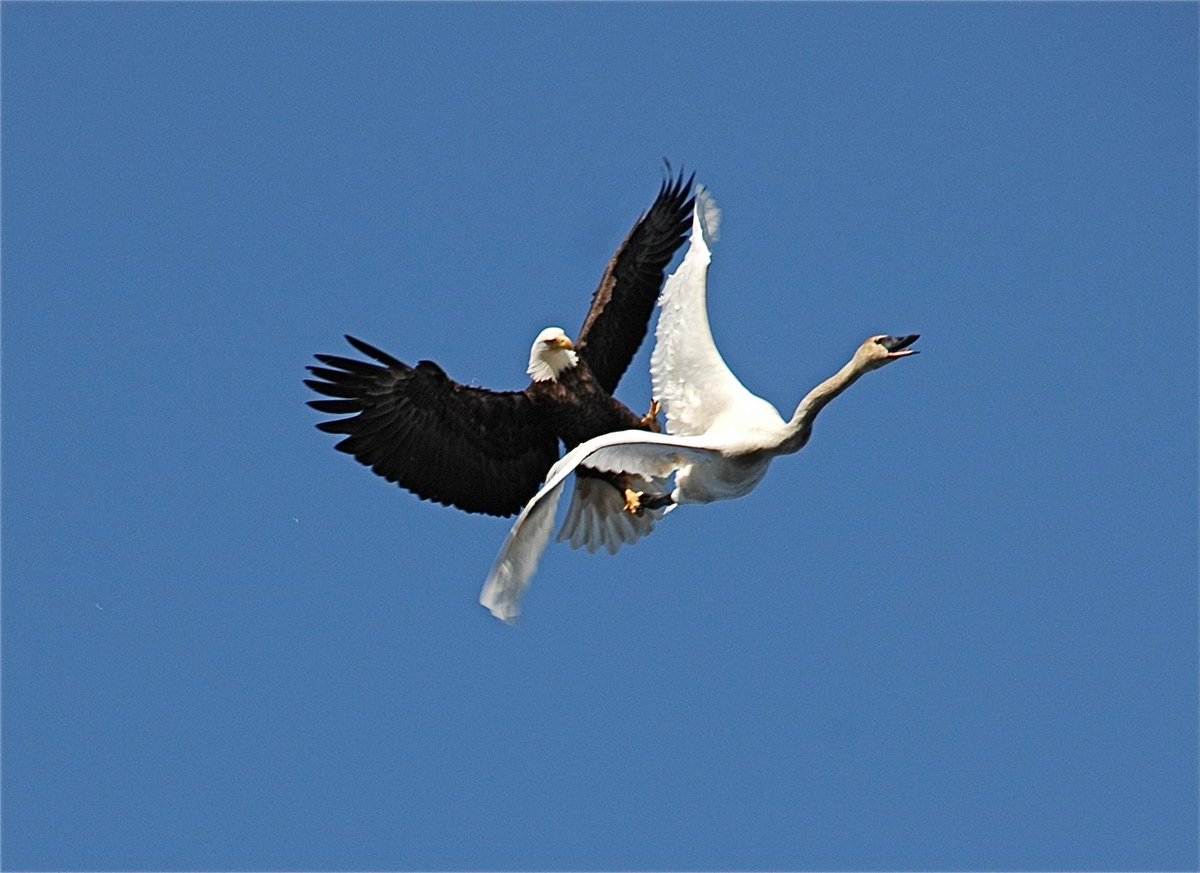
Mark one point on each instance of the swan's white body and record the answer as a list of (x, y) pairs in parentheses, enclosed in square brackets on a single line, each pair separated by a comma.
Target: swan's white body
[(720, 438)]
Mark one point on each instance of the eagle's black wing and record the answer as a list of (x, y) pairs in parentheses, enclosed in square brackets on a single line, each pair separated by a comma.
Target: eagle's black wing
[(482, 451), (621, 307)]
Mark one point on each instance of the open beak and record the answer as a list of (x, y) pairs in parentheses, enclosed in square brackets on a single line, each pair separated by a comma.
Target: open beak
[(898, 346)]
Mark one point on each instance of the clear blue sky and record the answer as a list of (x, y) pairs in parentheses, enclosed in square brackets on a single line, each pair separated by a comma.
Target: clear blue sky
[(959, 630)]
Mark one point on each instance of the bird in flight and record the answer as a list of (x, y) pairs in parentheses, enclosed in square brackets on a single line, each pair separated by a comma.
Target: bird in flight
[(487, 451), (720, 438)]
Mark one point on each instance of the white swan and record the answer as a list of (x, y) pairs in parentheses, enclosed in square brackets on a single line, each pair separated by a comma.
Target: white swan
[(720, 438)]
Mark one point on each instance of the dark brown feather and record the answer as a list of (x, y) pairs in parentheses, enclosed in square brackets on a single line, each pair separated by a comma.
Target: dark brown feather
[(578, 408), (482, 451), (616, 323)]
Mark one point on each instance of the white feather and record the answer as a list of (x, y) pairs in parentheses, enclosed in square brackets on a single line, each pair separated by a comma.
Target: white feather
[(521, 554), (596, 517), (689, 377), (548, 362)]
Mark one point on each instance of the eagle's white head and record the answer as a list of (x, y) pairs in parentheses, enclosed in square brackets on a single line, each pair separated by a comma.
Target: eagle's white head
[(552, 353)]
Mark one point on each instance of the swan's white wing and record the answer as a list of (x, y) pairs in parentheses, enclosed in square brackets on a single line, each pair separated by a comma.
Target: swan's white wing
[(521, 553), (648, 454), (689, 377)]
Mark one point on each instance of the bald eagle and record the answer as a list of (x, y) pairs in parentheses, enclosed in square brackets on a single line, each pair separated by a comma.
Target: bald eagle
[(488, 451)]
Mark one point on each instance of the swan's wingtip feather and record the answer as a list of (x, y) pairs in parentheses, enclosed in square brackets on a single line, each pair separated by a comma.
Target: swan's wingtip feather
[(490, 597), (501, 593), (707, 219)]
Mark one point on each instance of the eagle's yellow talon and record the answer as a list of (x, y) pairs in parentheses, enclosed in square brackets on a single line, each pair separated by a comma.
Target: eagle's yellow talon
[(650, 419), (633, 501)]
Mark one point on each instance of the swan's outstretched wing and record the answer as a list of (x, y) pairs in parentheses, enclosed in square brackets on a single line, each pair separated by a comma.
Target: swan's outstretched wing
[(647, 454), (522, 552), (689, 377)]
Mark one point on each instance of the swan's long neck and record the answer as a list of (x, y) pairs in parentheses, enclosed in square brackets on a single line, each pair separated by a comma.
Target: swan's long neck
[(800, 427)]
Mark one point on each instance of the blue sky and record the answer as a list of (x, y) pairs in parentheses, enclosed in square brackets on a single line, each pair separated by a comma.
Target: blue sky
[(958, 631)]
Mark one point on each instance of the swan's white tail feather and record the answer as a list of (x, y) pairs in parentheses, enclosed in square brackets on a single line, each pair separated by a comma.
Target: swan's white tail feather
[(597, 518)]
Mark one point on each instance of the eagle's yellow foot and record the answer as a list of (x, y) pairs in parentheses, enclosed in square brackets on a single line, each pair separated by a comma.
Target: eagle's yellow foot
[(633, 501), (650, 419)]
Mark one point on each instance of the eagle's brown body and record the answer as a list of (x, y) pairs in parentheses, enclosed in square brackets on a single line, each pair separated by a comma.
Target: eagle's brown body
[(578, 408)]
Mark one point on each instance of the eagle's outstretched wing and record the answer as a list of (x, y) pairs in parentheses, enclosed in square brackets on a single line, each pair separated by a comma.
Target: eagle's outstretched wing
[(621, 307), (478, 450)]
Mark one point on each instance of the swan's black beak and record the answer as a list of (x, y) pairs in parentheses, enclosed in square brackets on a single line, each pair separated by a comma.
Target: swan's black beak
[(898, 346)]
